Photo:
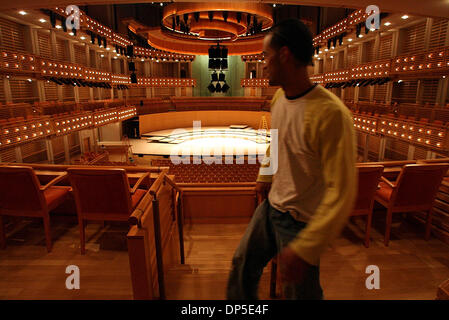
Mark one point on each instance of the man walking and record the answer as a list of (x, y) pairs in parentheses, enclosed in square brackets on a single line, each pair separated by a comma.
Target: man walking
[(313, 190)]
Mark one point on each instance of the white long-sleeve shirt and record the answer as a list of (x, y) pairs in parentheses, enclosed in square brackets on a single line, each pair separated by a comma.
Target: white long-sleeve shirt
[(316, 178)]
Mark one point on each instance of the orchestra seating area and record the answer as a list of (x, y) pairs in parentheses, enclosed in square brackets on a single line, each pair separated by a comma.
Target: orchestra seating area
[(210, 173)]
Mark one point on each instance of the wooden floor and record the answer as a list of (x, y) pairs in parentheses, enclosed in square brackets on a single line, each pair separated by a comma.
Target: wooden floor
[(410, 268)]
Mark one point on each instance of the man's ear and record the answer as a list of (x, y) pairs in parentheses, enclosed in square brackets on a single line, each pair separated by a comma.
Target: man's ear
[(284, 54)]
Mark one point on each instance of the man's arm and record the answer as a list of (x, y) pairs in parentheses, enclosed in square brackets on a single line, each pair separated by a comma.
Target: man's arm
[(263, 182)]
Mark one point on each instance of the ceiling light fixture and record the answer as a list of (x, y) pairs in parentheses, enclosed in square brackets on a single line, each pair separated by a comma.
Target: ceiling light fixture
[(22, 12), (387, 24), (42, 20), (404, 17)]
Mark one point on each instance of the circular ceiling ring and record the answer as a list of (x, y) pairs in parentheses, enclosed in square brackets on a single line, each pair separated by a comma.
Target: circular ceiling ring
[(203, 16), (241, 14), (206, 25)]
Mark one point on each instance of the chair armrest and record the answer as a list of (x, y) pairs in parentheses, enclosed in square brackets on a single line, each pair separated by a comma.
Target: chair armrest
[(146, 175), (391, 184), (59, 178)]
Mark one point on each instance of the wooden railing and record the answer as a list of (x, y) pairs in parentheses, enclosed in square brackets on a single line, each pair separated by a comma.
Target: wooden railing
[(430, 63), (17, 132), (218, 103), (35, 67)]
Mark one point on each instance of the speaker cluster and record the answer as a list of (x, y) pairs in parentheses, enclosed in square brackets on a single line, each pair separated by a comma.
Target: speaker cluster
[(218, 60), (218, 57)]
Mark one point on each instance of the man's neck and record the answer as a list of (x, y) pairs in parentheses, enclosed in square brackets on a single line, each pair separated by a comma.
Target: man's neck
[(296, 83)]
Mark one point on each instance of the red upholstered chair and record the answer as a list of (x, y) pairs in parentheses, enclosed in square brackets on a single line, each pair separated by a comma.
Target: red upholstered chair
[(22, 195), (368, 181), (414, 190), (103, 195)]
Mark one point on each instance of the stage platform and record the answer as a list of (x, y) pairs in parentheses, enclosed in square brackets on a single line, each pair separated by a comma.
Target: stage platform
[(238, 140)]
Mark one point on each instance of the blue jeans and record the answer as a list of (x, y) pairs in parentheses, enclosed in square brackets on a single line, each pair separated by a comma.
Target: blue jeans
[(268, 232)]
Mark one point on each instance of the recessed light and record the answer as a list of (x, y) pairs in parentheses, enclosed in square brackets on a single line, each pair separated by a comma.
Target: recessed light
[(22, 12), (404, 17), (83, 38), (360, 35), (42, 20), (71, 33), (58, 27), (387, 24), (350, 40), (108, 49)]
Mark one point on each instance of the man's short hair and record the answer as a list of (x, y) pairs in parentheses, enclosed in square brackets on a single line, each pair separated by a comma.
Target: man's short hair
[(296, 36)]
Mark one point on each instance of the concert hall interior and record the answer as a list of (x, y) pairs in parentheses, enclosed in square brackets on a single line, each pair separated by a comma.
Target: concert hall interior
[(132, 134)]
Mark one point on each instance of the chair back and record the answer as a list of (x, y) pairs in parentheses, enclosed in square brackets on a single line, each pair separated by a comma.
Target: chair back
[(418, 184), (100, 191), (368, 180), (19, 190)]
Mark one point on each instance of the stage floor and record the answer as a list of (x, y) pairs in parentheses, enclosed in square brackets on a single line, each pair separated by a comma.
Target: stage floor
[(204, 141)]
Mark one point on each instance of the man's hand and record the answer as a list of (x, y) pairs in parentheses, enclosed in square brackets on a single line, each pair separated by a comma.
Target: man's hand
[(262, 189), (293, 267)]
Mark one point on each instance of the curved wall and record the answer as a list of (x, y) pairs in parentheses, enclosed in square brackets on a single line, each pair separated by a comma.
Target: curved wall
[(173, 120)]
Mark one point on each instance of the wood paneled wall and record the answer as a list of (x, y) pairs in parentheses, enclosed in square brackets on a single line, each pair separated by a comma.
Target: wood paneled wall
[(172, 120)]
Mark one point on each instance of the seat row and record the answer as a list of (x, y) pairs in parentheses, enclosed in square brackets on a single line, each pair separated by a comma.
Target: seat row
[(414, 190), (100, 194), (213, 173)]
